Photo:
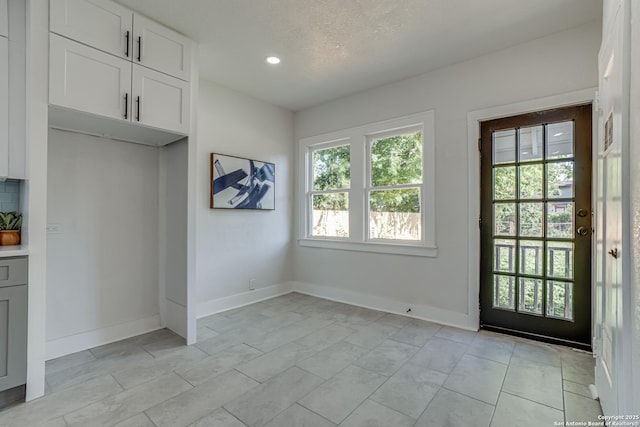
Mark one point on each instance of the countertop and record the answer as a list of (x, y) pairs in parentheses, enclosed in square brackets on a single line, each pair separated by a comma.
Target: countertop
[(18, 250)]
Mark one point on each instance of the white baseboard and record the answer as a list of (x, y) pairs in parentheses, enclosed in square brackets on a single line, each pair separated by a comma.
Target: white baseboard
[(176, 317), (207, 308), (418, 311), (86, 340)]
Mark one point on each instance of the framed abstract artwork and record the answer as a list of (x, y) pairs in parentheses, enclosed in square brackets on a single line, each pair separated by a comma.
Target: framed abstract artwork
[(239, 183)]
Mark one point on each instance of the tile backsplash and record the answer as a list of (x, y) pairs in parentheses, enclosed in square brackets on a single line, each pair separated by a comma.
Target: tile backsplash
[(9, 196)]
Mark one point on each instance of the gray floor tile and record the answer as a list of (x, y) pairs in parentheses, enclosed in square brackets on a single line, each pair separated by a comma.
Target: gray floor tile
[(580, 408), (455, 334), (242, 312), (204, 333), (69, 361), (538, 352), (279, 337), (516, 411), (194, 404), (361, 316), (387, 358), (55, 405), (395, 320), (140, 420), (410, 389), (297, 416), (260, 405), (332, 360), (279, 319), (477, 378), (202, 370), (581, 372), (491, 347), (338, 397), (149, 370), (440, 354), (126, 346), (218, 418), (229, 339), (416, 332), (271, 364), (325, 337), (121, 406), (165, 346), (372, 414), (102, 366), (576, 388), (451, 409), (222, 324), (534, 381), (371, 335)]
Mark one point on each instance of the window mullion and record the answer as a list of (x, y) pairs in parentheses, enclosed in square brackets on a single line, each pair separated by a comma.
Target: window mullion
[(356, 193)]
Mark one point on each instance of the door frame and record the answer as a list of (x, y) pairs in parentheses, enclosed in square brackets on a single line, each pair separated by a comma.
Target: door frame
[(473, 167)]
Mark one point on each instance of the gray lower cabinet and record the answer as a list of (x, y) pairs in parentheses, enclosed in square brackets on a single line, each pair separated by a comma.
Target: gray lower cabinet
[(13, 322)]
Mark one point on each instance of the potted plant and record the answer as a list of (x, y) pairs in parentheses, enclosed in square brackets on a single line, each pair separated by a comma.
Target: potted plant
[(10, 224)]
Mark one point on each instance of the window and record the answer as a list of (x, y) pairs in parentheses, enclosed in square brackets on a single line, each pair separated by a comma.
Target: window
[(371, 188), (331, 169)]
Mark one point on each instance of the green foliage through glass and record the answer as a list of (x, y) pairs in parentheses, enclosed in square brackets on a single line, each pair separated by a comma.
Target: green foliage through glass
[(332, 168)]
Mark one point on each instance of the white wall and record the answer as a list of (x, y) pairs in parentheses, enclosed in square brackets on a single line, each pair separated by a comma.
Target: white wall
[(102, 267), (556, 64), (234, 246)]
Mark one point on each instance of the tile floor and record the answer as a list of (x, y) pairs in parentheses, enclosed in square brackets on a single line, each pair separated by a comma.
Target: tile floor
[(300, 361)]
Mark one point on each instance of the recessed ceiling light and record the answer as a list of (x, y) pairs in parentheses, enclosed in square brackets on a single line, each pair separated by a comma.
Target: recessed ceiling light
[(558, 134), (272, 60)]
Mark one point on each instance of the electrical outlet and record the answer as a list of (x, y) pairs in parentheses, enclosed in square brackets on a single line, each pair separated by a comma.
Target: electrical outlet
[(54, 228), (252, 284)]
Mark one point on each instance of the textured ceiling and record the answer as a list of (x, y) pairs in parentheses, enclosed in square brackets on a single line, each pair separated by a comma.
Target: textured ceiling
[(331, 48)]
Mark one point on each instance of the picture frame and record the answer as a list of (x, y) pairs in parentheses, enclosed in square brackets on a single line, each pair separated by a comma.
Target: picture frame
[(241, 183)]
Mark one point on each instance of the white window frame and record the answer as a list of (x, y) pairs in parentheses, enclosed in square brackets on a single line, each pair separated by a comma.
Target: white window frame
[(359, 139)]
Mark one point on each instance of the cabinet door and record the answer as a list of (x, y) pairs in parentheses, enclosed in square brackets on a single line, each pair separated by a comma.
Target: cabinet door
[(161, 49), (4, 107), (13, 336), (4, 19), (102, 24), (88, 80), (160, 101)]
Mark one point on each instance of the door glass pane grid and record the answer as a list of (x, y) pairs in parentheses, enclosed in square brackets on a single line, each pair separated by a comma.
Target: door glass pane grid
[(559, 299), (504, 292), (530, 296), (536, 164), (559, 140)]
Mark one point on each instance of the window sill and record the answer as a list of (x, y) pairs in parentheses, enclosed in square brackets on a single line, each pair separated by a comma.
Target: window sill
[(375, 247)]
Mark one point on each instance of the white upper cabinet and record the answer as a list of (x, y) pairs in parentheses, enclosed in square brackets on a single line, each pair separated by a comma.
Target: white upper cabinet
[(108, 61), (159, 100), (89, 80), (4, 19), (113, 28), (160, 48), (4, 108), (101, 24)]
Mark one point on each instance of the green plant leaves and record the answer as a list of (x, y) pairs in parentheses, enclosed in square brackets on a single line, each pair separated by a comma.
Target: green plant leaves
[(10, 221)]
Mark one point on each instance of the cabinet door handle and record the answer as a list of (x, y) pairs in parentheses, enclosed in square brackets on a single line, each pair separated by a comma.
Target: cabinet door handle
[(126, 49), (139, 48), (137, 108), (126, 106)]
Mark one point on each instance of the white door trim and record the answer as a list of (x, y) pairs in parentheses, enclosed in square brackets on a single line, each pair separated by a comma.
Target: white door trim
[(473, 166)]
